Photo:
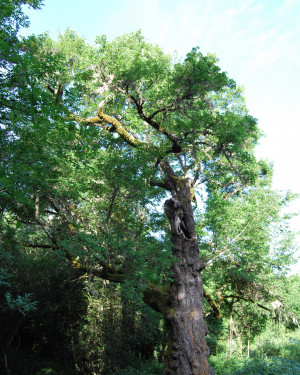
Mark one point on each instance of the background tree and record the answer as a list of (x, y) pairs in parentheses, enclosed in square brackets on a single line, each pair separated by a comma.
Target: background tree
[(248, 238), (11, 20)]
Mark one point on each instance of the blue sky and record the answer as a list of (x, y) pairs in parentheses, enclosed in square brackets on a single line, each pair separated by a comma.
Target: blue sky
[(257, 42)]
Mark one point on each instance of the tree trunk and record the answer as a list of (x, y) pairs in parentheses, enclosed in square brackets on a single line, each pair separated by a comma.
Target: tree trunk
[(187, 349), (230, 335), (3, 363)]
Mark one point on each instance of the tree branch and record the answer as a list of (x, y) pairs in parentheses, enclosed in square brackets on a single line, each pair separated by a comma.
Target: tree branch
[(213, 305), (120, 129), (106, 273), (157, 297), (176, 148), (116, 126), (248, 300)]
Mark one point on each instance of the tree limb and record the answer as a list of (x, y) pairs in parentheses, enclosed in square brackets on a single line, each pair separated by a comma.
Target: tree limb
[(116, 125), (213, 305), (176, 148), (248, 300)]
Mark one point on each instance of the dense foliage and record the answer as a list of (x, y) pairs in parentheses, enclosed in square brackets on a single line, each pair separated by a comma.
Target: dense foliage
[(88, 135)]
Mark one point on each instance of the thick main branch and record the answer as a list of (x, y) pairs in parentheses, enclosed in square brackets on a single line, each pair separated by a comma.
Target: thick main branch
[(102, 119)]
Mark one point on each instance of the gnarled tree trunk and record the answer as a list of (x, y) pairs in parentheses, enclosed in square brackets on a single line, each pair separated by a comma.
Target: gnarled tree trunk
[(187, 350)]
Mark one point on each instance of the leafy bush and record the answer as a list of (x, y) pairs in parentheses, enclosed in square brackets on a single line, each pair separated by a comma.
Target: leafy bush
[(254, 366), (140, 368), (273, 353), (46, 371), (278, 344)]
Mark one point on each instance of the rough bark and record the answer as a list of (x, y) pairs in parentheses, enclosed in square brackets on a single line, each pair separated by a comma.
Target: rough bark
[(187, 350)]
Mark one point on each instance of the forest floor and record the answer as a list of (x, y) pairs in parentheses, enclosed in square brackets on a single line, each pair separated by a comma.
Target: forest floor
[(271, 354)]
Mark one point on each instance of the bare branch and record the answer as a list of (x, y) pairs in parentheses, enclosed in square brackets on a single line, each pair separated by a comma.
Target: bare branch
[(232, 241)]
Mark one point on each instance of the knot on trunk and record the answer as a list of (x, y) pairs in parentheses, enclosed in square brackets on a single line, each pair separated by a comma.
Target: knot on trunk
[(175, 214)]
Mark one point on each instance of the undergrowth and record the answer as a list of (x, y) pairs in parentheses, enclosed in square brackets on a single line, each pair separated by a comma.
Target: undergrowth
[(274, 352)]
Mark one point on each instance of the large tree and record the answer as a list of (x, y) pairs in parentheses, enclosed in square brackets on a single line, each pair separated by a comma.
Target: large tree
[(185, 119), (109, 131)]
